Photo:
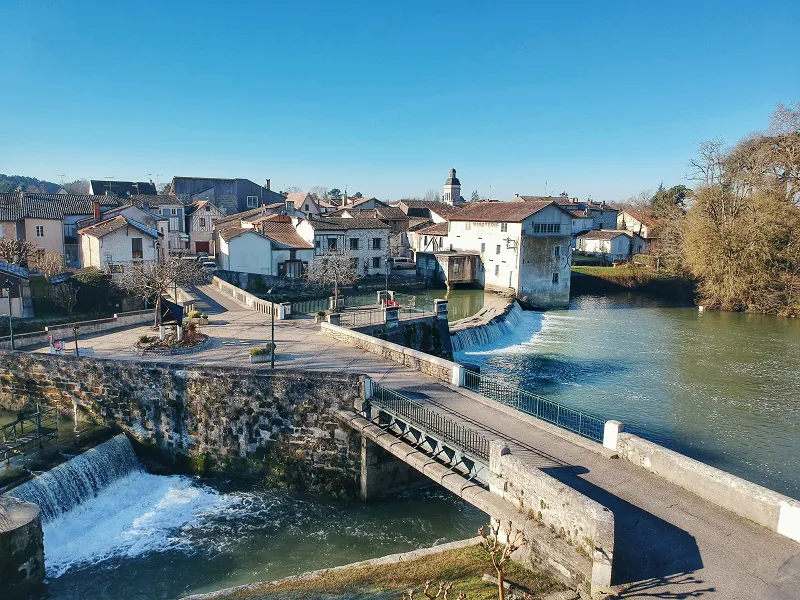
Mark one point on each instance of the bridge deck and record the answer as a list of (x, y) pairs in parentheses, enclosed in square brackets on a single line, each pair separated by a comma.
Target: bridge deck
[(669, 543)]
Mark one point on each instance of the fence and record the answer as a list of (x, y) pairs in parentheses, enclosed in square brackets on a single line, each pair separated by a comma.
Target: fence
[(570, 419), (307, 307), (361, 318), (27, 432), (470, 442)]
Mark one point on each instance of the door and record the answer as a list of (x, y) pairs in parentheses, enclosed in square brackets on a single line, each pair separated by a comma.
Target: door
[(201, 247)]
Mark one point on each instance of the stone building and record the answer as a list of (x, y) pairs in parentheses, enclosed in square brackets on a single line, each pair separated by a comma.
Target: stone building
[(367, 240)]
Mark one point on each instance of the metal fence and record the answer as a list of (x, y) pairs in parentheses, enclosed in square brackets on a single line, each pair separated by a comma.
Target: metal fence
[(28, 432), (567, 418), (361, 318), (465, 439), (309, 306), (362, 300)]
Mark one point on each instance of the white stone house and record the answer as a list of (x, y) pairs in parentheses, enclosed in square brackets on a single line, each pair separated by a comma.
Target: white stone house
[(613, 245), (367, 240), (637, 221), (582, 222), (525, 247), (117, 241), (200, 217), (267, 247), (302, 205)]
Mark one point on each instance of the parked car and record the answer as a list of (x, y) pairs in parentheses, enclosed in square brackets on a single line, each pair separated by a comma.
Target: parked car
[(201, 256), (401, 262)]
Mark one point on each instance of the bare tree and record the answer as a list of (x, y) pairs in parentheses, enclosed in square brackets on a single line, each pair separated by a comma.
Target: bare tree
[(65, 295), (320, 192), (432, 196), (48, 262), (17, 252), (500, 552), (443, 592), (475, 197), (333, 268), (151, 280), (79, 186)]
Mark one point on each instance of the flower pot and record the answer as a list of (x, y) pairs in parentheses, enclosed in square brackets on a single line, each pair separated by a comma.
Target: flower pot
[(260, 358)]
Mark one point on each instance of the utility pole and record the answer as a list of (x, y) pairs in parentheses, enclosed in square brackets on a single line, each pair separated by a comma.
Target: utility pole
[(75, 336), (272, 335)]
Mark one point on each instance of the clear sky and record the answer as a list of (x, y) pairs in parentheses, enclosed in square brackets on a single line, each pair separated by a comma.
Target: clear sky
[(601, 98)]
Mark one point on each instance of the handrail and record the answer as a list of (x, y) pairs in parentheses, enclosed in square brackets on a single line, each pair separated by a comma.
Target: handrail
[(465, 439)]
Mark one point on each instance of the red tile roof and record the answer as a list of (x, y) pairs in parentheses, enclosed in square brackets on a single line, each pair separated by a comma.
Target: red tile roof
[(499, 212)]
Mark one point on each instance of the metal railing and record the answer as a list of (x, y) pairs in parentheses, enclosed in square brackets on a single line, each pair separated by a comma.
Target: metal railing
[(361, 318), (28, 431), (309, 306), (362, 300), (567, 418), (470, 442)]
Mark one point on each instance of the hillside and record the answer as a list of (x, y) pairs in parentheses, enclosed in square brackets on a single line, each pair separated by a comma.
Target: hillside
[(9, 183)]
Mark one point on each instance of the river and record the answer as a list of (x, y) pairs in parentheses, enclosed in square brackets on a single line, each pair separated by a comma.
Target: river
[(718, 386)]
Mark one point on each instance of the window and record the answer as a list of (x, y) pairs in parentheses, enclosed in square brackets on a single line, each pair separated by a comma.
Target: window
[(483, 247), (202, 222), (456, 267), (546, 227), (136, 248), (497, 251), (497, 270), (555, 277), (173, 212), (353, 243), (317, 243), (376, 262), (376, 243), (503, 227), (557, 251), (306, 207), (40, 231), (252, 201), (331, 243)]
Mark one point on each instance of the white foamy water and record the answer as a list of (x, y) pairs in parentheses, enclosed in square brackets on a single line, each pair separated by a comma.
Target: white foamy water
[(135, 515), (511, 338)]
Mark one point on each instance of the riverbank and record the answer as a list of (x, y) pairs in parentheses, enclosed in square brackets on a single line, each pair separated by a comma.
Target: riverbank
[(461, 563), (609, 280)]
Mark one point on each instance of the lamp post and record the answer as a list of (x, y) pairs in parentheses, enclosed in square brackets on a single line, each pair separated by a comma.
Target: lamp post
[(8, 286), (272, 336)]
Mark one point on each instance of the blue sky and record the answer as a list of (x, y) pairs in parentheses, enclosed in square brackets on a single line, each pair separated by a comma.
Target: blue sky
[(601, 98)]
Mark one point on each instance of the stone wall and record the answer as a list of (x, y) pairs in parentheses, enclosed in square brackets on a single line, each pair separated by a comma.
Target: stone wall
[(424, 334), (438, 368), (21, 549), (273, 426)]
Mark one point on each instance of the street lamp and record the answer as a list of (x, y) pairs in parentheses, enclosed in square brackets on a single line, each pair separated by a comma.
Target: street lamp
[(272, 336), (8, 286)]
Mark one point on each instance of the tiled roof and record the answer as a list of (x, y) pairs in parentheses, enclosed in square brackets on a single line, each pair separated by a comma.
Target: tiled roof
[(390, 213), (298, 199), (442, 209), (283, 233), (271, 218), (343, 224), (111, 212), (158, 200), (103, 228), (21, 205), (253, 212), (581, 214), (605, 234), (422, 225), (499, 212), (437, 229), (228, 233), (15, 270)]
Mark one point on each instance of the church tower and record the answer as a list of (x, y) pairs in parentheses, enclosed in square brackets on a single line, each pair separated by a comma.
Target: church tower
[(452, 189)]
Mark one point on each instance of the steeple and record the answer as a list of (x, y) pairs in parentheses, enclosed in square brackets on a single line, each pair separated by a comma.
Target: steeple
[(452, 189)]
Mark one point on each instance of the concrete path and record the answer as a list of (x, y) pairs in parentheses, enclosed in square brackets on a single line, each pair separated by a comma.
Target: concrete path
[(669, 542)]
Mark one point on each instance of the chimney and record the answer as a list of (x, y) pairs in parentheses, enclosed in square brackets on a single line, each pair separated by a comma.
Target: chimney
[(267, 185), (96, 209)]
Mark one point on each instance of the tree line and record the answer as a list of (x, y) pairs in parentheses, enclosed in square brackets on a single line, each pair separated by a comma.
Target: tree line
[(737, 234)]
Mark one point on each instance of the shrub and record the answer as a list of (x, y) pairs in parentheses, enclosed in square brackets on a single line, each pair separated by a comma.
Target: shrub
[(144, 339), (260, 351), (321, 314), (195, 314)]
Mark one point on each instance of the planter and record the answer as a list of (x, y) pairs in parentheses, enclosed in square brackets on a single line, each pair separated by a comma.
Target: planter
[(197, 321), (260, 358)]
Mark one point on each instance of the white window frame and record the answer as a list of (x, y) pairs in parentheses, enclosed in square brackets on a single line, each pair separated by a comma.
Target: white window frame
[(253, 205), (40, 231), (504, 227)]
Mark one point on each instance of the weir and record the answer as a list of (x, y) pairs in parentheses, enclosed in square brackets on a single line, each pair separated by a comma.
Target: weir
[(486, 334), (80, 478)]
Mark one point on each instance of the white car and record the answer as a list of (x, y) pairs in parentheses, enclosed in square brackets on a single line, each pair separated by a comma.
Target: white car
[(401, 262)]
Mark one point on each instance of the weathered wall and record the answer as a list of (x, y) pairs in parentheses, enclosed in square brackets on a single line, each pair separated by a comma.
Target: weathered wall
[(21, 549), (207, 419), (424, 334), (438, 368)]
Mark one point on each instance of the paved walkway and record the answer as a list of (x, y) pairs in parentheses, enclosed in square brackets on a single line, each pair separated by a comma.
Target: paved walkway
[(669, 542)]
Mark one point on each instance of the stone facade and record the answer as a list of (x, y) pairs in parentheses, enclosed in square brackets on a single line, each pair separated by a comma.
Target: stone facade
[(277, 427)]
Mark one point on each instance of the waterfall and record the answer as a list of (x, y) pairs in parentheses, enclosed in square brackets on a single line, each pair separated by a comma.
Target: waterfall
[(80, 478), (491, 331)]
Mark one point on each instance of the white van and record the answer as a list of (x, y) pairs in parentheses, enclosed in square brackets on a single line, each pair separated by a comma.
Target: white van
[(401, 262)]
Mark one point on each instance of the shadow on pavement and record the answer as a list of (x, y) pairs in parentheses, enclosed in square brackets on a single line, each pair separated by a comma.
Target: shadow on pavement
[(645, 546), (655, 588)]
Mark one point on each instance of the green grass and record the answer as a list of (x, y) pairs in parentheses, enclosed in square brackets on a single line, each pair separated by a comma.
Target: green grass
[(463, 567)]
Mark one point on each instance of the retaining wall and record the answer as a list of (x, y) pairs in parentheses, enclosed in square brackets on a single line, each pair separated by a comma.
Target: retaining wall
[(277, 426), (64, 330), (766, 507), (439, 368)]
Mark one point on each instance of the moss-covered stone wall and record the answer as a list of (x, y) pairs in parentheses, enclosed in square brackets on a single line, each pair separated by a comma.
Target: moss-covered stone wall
[(276, 427)]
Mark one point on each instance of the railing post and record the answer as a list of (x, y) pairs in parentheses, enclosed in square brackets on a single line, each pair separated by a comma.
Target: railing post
[(611, 431)]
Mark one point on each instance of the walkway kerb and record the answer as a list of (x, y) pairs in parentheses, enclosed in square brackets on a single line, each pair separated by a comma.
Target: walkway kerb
[(611, 432)]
